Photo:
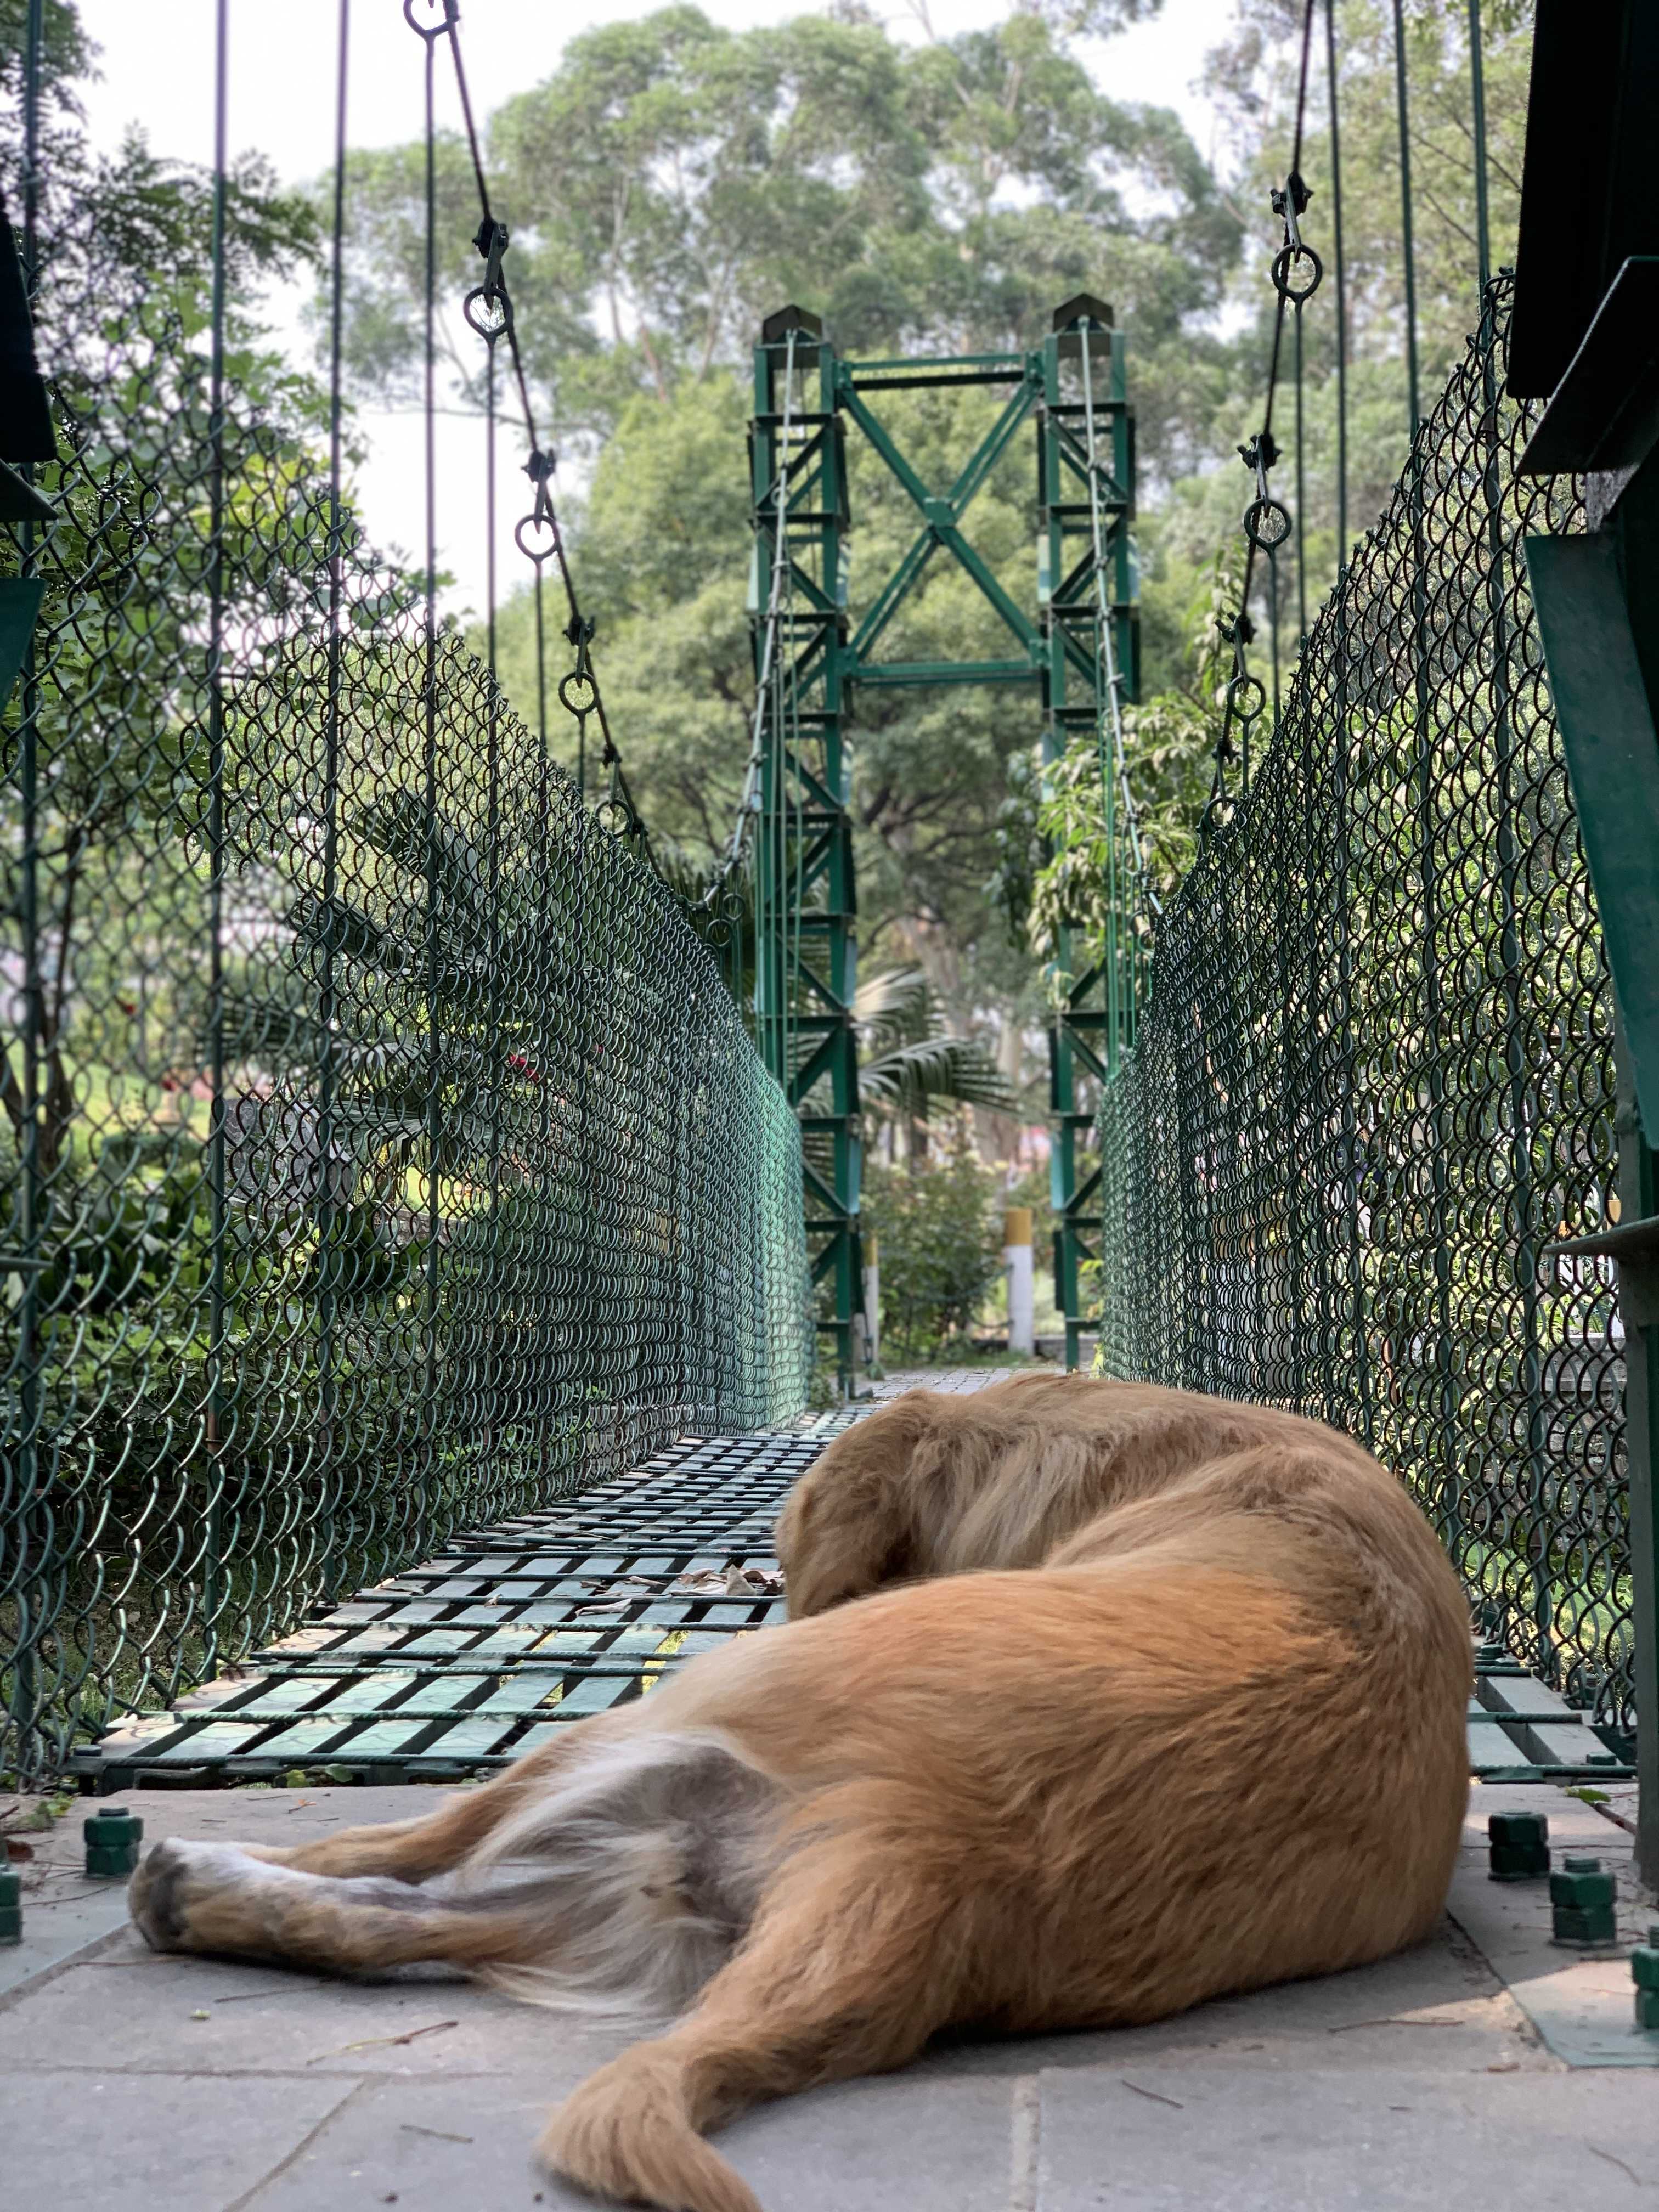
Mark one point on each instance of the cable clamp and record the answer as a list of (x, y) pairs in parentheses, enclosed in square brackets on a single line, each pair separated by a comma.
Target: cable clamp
[(1267, 524), (487, 307), (1289, 204), (491, 239)]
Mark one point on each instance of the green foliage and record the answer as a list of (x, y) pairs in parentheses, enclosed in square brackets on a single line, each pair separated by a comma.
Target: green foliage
[(938, 1246), (671, 184), (673, 181), (66, 53), (1053, 835)]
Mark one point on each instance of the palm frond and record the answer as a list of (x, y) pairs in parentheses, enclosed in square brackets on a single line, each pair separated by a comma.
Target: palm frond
[(896, 1005), (907, 1079)]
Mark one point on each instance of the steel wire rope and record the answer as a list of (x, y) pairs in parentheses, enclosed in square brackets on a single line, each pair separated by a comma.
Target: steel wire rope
[(1260, 454), (495, 1276), (20, 1470), (430, 768), (331, 1255), (217, 1220), (1339, 270), (491, 241), (1407, 241), (1478, 120), (1360, 1321)]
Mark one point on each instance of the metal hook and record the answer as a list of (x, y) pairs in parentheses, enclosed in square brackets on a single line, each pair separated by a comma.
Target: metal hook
[(489, 332)]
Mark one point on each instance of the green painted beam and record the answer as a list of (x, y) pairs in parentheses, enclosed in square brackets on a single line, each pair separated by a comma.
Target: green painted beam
[(910, 675), (1613, 759)]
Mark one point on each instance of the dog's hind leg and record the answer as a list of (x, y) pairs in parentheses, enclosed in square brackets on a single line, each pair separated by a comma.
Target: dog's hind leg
[(414, 1851), (220, 1899), (846, 1971)]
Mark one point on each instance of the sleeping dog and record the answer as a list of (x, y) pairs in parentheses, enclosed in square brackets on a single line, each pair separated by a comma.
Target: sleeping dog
[(1096, 1700)]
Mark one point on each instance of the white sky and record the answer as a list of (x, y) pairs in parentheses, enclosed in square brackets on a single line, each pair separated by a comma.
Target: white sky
[(157, 71)]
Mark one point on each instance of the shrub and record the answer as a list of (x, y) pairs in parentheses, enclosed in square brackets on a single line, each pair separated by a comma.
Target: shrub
[(939, 1246)]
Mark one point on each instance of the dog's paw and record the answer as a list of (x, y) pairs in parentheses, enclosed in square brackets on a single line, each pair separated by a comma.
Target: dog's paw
[(188, 1896)]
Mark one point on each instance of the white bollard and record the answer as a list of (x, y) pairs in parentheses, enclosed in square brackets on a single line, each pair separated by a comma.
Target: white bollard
[(871, 1301), (1016, 1265)]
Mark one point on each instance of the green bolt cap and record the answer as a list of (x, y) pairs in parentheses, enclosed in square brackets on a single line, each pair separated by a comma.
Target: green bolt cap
[(1644, 1972), (112, 1841), (1581, 1904), (11, 1906), (1518, 1847)]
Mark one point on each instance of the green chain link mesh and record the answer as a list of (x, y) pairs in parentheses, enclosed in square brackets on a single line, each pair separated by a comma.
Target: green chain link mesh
[(1377, 1079), (381, 1150)]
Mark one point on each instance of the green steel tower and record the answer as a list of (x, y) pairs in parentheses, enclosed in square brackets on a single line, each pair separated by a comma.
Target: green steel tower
[(805, 910), (1078, 645)]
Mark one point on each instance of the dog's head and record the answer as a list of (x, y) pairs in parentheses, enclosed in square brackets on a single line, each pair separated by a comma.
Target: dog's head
[(849, 1526)]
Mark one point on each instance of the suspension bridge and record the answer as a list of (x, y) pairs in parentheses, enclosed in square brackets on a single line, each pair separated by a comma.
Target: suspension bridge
[(424, 1219)]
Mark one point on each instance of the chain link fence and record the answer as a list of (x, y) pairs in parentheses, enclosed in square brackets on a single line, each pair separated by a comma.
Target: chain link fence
[(381, 1150), (1376, 1081)]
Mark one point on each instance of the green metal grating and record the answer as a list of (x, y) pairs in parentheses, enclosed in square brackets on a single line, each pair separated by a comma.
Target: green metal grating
[(464, 1664)]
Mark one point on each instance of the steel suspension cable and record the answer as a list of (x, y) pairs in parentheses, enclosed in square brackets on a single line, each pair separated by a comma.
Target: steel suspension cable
[(1408, 243), (1267, 525), (1339, 271), (329, 1259)]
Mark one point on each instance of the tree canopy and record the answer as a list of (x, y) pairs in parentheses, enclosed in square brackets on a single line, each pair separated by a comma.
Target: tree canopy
[(673, 181)]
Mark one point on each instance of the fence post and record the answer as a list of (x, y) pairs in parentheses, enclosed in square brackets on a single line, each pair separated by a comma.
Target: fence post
[(1017, 1260), (1639, 1304), (1597, 598), (871, 1300)]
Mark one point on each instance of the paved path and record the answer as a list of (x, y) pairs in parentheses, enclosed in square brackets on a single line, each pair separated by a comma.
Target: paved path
[(947, 1378), (168, 2084), (1483, 2068)]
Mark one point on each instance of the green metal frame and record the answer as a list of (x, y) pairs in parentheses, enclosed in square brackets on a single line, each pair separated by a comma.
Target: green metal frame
[(1093, 1020), (805, 897), (805, 961), (1598, 610)]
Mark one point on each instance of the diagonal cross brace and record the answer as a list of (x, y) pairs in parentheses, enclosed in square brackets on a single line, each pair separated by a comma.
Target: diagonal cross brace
[(943, 518)]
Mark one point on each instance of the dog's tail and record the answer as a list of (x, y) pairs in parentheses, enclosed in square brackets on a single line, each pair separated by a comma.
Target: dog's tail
[(844, 1972), (629, 2133), (629, 1883)]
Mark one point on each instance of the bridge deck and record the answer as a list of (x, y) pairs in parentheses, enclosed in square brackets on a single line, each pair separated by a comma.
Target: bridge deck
[(460, 1665)]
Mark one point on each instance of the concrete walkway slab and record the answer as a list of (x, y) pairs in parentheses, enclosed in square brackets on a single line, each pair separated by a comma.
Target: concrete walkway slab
[(1383, 2141), (172, 2084)]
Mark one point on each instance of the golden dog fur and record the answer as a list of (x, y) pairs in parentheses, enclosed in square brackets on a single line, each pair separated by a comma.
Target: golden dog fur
[(1096, 1700)]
